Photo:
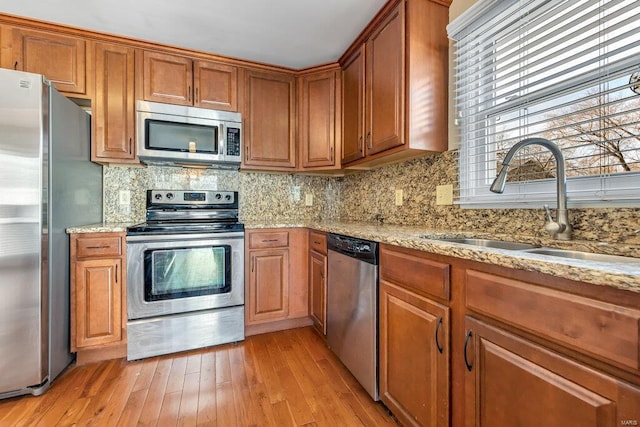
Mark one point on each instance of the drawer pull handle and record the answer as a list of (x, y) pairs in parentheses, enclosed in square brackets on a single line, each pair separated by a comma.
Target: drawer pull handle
[(317, 243), (466, 344), (438, 346), (98, 247), (269, 240)]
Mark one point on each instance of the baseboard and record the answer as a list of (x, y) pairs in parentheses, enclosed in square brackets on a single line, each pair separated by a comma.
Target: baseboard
[(278, 325)]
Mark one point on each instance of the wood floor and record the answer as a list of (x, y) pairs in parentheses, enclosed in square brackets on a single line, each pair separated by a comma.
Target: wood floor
[(286, 378)]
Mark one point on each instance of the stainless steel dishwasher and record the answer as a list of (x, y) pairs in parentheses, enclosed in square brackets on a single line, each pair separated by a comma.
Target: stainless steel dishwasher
[(352, 307)]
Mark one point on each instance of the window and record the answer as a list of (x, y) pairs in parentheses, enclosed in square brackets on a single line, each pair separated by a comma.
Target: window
[(564, 70)]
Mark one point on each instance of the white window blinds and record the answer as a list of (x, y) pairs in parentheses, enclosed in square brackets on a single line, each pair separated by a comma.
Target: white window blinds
[(567, 71)]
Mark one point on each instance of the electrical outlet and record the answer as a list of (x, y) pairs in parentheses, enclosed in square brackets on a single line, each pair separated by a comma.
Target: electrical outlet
[(444, 195), (124, 197), (399, 196), (308, 199)]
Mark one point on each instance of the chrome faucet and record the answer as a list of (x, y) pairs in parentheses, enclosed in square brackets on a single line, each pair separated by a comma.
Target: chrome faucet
[(560, 228)]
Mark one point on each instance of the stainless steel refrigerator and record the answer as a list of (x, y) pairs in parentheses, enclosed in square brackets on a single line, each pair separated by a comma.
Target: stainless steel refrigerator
[(47, 183)]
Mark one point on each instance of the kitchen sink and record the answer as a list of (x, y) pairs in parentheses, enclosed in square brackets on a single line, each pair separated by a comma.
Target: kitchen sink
[(586, 256), (533, 249), (488, 243)]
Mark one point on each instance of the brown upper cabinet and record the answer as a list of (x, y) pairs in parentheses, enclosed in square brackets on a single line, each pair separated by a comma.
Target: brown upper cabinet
[(60, 58), (269, 120), (395, 86), (353, 107), (319, 119), (182, 80), (113, 112)]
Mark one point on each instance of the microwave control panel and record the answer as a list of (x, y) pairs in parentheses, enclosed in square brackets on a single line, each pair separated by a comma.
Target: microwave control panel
[(233, 142)]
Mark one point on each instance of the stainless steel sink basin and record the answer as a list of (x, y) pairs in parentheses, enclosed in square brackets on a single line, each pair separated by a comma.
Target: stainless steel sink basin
[(488, 243), (586, 256)]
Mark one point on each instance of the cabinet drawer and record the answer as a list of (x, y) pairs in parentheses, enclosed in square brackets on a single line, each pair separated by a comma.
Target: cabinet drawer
[(603, 330), (318, 242), (270, 239), (98, 247), (412, 270)]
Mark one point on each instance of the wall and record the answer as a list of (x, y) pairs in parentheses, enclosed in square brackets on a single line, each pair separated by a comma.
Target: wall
[(369, 197), (366, 196), (263, 197)]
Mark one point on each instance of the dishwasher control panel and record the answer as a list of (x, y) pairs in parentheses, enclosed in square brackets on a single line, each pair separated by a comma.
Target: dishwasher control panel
[(358, 248)]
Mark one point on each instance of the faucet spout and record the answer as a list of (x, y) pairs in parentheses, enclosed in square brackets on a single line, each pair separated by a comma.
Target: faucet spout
[(560, 228)]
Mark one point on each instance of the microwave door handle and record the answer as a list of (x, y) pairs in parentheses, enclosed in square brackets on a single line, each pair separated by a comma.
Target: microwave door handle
[(221, 143)]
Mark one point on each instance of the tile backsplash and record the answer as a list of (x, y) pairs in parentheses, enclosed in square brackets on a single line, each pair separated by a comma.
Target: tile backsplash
[(367, 196), (370, 196), (263, 196)]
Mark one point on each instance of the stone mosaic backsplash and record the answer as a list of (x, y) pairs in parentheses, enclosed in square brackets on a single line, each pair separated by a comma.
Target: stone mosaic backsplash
[(364, 197), (263, 196), (369, 196)]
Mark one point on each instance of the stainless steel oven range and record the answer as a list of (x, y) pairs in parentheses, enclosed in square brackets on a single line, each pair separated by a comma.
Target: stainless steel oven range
[(185, 277)]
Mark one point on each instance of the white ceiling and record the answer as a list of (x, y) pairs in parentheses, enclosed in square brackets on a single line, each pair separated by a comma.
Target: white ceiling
[(290, 33)]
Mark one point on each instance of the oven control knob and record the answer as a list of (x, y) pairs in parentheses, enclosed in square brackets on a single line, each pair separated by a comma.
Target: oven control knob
[(228, 197), (157, 196), (218, 196), (169, 196)]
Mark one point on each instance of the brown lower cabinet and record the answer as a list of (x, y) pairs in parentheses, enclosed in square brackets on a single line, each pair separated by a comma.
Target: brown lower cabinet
[(98, 296), (414, 336), (414, 357), (276, 287), (511, 381), (318, 280), (464, 343)]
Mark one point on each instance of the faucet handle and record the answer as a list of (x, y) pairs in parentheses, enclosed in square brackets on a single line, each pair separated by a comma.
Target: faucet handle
[(548, 211), (551, 226)]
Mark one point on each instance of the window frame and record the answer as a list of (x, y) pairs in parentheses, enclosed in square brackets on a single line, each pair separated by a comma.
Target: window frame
[(607, 190)]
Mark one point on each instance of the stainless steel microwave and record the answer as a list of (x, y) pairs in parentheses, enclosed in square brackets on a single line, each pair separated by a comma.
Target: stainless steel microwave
[(178, 135)]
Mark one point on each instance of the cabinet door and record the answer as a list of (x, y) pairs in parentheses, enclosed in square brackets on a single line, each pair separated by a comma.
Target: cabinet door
[(268, 285), (216, 85), (385, 98), (414, 357), (318, 291), (353, 107), (61, 59), (269, 114), (512, 381), (114, 107), (318, 118), (98, 302), (167, 78)]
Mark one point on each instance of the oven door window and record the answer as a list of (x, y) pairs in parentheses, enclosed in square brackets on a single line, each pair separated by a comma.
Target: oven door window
[(183, 137), (187, 272)]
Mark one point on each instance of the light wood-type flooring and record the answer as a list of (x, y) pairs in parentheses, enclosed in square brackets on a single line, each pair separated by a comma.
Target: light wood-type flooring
[(287, 378)]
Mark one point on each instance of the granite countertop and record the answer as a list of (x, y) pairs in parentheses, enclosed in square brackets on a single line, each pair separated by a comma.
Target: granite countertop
[(621, 276), (102, 227)]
